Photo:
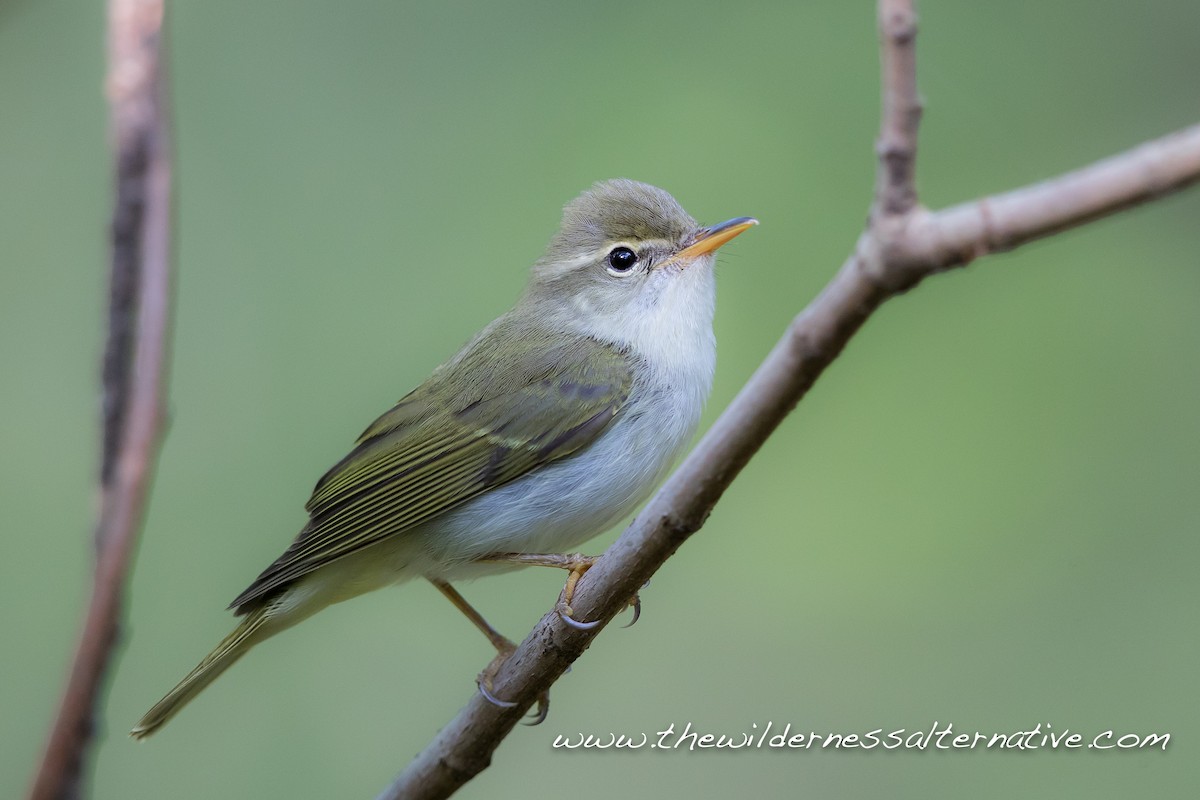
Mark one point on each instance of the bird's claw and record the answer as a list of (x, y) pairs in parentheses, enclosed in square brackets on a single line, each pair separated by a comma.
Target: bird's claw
[(543, 711), (636, 605), (504, 649), (485, 679), (491, 698), (564, 613)]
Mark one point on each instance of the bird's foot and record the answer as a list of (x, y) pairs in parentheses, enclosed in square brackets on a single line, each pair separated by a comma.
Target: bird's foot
[(565, 614), (504, 648), (576, 565), (486, 678)]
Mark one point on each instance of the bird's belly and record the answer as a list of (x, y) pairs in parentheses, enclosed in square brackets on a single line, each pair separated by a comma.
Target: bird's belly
[(560, 506)]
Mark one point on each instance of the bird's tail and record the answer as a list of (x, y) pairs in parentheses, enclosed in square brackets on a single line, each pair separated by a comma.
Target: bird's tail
[(247, 634)]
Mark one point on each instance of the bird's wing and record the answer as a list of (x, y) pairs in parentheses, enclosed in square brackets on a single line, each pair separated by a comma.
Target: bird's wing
[(480, 421)]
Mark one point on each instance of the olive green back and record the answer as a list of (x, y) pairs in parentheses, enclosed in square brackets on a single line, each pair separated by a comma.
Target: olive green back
[(517, 397)]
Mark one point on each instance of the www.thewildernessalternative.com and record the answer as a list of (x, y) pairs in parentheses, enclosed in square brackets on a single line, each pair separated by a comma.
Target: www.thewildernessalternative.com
[(772, 737)]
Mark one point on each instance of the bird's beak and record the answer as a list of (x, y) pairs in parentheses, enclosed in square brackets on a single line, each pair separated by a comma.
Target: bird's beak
[(708, 239)]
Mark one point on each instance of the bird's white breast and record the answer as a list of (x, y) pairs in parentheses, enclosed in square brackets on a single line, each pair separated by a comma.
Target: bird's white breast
[(560, 506)]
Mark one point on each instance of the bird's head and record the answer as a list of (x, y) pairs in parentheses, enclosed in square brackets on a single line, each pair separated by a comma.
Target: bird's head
[(628, 265)]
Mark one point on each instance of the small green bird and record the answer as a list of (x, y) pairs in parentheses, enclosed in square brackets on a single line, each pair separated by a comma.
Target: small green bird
[(549, 426)]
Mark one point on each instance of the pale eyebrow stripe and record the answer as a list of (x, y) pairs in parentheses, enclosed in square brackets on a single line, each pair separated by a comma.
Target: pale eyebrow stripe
[(600, 252)]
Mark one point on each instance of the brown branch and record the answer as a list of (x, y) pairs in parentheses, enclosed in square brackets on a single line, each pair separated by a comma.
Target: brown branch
[(896, 148), (902, 245), (133, 372)]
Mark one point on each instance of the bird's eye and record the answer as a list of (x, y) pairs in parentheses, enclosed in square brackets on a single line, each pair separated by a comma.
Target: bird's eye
[(622, 259)]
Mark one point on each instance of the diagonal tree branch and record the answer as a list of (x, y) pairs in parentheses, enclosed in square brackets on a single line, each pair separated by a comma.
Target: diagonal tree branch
[(902, 245), (134, 370)]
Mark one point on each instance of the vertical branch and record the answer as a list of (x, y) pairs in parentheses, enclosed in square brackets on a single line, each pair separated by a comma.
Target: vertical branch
[(134, 371), (895, 187)]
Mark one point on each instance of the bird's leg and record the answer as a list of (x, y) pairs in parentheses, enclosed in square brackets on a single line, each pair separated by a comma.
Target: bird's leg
[(504, 648), (499, 641), (575, 564)]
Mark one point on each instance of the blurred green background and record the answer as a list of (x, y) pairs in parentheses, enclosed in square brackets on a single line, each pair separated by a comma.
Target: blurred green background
[(985, 513)]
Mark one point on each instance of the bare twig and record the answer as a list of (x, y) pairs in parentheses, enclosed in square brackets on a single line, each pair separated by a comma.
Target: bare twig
[(895, 180), (903, 244), (133, 371)]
